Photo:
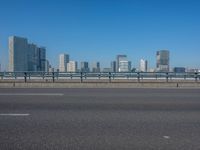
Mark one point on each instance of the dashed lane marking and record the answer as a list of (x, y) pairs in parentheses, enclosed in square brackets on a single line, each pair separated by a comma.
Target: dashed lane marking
[(166, 137), (13, 114), (31, 94)]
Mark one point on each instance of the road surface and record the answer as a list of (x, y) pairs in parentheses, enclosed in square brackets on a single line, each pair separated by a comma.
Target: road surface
[(100, 119)]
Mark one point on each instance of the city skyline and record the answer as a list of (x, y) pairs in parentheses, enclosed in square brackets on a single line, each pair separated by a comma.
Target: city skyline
[(99, 30), (25, 56)]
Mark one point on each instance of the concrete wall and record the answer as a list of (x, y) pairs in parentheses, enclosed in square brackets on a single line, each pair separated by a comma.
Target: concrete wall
[(100, 85)]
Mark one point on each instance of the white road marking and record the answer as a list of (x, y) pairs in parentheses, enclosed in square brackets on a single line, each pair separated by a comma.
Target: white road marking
[(166, 137), (12, 114), (31, 94)]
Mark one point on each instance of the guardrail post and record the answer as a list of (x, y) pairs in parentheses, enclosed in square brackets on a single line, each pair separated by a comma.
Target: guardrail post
[(53, 76), (196, 76), (199, 76), (138, 77), (99, 75), (71, 76), (25, 75), (167, 77), (43, 75), (81, 77), (109, 75), (57, 74)]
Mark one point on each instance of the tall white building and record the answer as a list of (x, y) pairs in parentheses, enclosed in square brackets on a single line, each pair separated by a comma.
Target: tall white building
[(122, 64), (143, 65), (118, 59), (72, 66), (63, 60)]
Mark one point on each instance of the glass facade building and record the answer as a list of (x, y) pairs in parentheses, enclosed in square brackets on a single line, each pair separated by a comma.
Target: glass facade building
[(162, 61), (24, 56)]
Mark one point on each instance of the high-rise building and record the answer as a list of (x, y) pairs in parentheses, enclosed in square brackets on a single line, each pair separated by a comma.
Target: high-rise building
[(33, 59), (120, 58), (36, 58), (18, 54), (96, 67), (113, 66), (162, 61), (143, 65), (63, 60), (122, 64), (85, 66), (42, 58), (72, 66), (47, 66), (24, 56)]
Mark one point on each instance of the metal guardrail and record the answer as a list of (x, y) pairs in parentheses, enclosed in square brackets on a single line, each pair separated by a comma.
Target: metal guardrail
[(138, 76)]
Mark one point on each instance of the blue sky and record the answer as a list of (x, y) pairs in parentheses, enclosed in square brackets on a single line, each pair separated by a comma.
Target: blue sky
[(98, 30)]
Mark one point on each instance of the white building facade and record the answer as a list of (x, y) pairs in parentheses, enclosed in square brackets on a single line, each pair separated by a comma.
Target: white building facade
[(72, 66), (63, 60), (124, 66), (143, 65)]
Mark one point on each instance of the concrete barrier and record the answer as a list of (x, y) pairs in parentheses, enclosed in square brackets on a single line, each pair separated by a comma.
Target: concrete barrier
[(100, 85)]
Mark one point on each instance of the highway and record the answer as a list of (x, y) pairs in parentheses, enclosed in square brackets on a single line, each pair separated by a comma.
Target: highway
[(99, 119)]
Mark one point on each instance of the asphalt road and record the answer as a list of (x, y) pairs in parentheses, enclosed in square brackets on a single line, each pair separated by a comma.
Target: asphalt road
[(100, 119)]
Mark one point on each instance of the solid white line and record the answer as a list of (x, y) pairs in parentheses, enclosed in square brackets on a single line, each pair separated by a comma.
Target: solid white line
[(14, 114), (31, 94)]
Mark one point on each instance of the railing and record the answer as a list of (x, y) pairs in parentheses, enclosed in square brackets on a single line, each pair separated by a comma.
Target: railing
[(98, 77)]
